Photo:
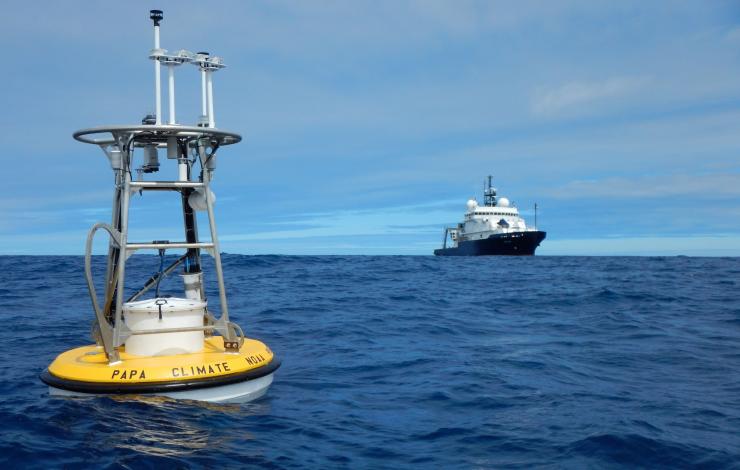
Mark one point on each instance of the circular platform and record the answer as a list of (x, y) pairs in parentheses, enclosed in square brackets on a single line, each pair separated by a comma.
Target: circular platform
[(147, 134)]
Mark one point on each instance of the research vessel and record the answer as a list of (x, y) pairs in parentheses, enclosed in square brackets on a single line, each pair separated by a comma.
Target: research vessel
[(494, 228), (181, 347)]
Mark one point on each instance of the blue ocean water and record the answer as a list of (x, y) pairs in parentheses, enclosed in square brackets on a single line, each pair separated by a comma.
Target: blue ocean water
[(408, 362)]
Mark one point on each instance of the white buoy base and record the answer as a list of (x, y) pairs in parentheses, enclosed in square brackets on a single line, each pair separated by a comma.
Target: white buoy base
[(241, 392)]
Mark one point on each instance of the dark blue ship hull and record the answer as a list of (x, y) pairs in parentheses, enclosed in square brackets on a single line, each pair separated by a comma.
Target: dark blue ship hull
[(515, 243)]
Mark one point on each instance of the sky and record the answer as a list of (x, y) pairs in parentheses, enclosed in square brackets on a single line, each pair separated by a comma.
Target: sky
[(367, 125)]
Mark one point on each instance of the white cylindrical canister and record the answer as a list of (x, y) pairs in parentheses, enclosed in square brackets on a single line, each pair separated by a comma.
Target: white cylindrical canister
[(175, 313), (193, 285), (116, 158)]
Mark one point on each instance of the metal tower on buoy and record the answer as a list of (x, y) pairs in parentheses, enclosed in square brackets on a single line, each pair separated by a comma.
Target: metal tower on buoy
[(175, 346)]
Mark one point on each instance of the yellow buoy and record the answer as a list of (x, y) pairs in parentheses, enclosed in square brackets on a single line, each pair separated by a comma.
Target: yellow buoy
[(178, 347), (86, 370)]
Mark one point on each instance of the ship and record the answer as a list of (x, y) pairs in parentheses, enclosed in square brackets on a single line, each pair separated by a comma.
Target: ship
[(495, 228)]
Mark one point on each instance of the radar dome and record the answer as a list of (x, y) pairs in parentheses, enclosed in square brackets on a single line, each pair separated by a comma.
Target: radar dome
[(503, 202), (472, 204)]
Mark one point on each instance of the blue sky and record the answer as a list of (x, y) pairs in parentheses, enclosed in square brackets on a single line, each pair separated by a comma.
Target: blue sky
[(367, 125)]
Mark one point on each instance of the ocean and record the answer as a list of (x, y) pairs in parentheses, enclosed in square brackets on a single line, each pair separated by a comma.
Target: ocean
[(407, 362)]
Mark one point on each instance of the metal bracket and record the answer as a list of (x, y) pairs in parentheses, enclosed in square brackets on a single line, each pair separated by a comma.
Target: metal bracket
[(159, 303), (235, 332), (114, 357)]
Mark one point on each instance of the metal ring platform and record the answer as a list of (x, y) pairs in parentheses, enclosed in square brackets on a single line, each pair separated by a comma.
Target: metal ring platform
[(153, 134)]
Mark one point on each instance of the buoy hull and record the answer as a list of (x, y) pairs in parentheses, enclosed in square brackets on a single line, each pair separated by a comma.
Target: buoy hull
[(241, 392), (212, 374)]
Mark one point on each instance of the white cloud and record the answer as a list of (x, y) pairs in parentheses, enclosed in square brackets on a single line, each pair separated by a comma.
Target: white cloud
[(25, 203), (421, 219), (583, 96), (699, 186), (733, 35)]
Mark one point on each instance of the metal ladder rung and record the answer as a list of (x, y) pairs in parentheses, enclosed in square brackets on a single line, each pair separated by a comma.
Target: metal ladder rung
[(165, 184), (156, 246), (173, 330)]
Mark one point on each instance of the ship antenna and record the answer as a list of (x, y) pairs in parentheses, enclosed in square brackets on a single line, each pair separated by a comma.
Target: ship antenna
[(489, 195)]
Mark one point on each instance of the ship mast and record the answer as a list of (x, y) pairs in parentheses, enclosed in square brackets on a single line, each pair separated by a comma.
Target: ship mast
[(489, 194)]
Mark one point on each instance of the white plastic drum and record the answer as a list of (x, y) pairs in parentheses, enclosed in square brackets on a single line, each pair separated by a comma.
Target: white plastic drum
[(176, 313)]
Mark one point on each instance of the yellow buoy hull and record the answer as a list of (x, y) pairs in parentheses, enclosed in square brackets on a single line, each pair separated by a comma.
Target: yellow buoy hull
[(86, 369)]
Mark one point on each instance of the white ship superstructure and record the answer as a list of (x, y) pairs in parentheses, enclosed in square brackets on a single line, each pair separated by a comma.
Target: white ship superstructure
[(497, 222), (484, 221)]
